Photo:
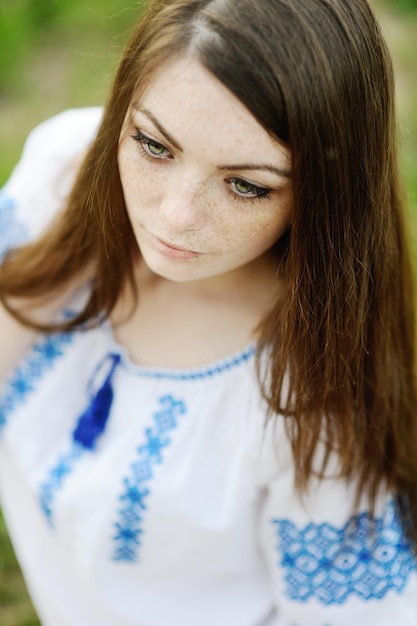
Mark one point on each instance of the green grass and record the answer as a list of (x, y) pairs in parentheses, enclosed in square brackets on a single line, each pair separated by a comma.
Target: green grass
[(15, 606), (52, 63), (56, 54), (400, 30)]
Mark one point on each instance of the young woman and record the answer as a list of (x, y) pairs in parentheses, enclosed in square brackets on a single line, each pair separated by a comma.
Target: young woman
[(208, 403)]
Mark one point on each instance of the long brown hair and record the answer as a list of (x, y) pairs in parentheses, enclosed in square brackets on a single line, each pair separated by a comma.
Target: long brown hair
[(317, 75)]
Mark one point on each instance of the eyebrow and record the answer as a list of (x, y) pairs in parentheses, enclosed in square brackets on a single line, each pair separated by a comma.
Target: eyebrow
[(158, 125), (233, 166), (256, 166)]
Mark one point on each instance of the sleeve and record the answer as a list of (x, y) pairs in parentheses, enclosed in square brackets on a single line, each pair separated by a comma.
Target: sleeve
[(329, 564), (40, 182)]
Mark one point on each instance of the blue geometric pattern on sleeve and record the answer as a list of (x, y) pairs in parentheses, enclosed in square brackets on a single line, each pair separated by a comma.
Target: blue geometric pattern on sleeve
[(23, 380), (365, 558), (136, 485), (12, 232)]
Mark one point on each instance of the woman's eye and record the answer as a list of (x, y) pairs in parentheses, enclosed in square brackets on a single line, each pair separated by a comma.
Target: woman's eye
[(151, 147), (248, 190)]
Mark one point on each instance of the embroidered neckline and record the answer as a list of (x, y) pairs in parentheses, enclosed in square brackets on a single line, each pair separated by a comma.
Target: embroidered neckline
[(177, 373)]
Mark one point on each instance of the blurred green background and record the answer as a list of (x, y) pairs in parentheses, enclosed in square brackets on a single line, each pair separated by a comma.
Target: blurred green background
[(57, 54)]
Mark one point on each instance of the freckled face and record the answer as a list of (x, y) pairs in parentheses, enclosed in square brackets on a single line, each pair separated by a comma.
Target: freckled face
[(207, 189)]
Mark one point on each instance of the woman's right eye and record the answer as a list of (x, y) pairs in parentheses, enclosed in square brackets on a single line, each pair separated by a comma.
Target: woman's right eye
[(151, 147)]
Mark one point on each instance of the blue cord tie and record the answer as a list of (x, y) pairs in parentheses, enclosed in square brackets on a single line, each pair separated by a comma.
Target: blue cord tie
[(93, 421)]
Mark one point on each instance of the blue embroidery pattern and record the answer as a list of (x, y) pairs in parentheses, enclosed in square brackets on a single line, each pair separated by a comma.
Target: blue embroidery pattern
[(129, 524), (94, 427), (364, 558), (198, 374), (41, 359), (56, 477), (12, 232)]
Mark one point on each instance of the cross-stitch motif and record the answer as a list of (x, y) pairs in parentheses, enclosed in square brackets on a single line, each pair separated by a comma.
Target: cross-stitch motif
[(56, 477), (24, 378), (12, 232), (136, 485), (365, 559)]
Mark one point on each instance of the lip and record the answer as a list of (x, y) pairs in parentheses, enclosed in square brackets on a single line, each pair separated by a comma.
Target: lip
[(171, 251)]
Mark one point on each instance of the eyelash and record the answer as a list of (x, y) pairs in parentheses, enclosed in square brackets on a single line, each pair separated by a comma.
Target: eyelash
[(260, 193), (144, 143)]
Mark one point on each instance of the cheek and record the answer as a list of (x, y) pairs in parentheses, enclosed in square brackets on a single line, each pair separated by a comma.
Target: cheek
[(261, 228), (248, 238), (139, 186)]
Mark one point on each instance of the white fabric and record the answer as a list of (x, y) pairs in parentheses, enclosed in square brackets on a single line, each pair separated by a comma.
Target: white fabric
[(218, 536)]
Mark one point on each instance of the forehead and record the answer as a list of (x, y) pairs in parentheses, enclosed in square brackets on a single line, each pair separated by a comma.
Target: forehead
[(197, 109)]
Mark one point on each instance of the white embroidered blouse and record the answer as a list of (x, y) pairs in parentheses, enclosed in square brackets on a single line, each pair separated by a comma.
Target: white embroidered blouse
[(179, 508)]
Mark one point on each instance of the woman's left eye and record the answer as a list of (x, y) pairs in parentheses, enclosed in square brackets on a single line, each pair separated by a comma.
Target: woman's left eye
[(247, 190), (151, 147)]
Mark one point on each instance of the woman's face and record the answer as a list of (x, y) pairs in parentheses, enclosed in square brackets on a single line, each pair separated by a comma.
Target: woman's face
[(207, 190)]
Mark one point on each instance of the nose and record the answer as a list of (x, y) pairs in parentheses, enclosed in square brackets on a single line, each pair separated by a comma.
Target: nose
[(182, 202)]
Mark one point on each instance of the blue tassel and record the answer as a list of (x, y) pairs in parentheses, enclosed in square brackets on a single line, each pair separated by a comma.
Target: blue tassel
[(93, 421)]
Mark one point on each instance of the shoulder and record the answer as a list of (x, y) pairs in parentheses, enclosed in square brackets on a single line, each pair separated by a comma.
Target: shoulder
[(35, 192), (43, 177), (69, 130), (56, 140)]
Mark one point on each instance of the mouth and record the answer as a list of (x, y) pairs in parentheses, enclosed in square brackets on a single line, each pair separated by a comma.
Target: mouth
[(168, 249), (170, 245)]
